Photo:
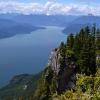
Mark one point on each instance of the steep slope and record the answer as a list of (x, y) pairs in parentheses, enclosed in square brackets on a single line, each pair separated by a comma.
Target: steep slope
[(57, 77)]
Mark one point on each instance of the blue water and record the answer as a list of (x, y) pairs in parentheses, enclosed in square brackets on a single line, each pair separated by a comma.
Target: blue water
[(27, 53)]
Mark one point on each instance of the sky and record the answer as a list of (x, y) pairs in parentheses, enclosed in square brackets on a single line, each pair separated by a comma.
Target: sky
[(51, 7)]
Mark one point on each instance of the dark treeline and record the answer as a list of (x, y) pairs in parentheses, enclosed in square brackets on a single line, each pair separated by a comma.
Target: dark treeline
[(83, 47)]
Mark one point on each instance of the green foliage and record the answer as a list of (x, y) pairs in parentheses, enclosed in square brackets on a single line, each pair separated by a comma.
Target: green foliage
[(62, 50), (70, 42), (70, 53), (98, 39), (17, 90), (85, 51), (86, 88), (82, 47), (46, 85), (98, 58)]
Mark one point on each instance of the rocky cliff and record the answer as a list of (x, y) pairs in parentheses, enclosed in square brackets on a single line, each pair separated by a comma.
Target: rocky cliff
[(66, 75), (54, 60)]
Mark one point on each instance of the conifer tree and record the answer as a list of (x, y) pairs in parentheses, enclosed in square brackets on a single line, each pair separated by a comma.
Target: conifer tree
[(86, 57), (97, 36), (70, 42), (62, 50)]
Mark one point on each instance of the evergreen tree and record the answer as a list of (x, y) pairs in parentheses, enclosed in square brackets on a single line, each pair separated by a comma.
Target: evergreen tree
[(94, 30), (78, 42), (86, 51), (92, 55), (70, 42), (46, 85), (62, 50), (97, 36)]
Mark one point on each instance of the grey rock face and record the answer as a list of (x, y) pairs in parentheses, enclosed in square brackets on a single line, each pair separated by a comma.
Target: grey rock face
[(54, 61), (66, 76)]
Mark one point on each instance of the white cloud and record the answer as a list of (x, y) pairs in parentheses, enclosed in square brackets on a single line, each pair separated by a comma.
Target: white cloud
[(7, 0), (48, 8)]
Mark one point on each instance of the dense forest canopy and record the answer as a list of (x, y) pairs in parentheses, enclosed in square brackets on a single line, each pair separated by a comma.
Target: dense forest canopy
[(83, 47)]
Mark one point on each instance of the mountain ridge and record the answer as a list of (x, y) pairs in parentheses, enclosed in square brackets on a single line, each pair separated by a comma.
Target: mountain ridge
[(76, 25), (10, 28)]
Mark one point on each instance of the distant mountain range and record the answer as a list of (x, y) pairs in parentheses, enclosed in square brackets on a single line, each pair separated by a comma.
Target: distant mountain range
[(12, 24), (80, 22), (40, 20), (10, 28)]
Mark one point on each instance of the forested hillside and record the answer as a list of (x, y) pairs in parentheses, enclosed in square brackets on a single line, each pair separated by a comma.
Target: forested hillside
[(77, 55), (73, 70)]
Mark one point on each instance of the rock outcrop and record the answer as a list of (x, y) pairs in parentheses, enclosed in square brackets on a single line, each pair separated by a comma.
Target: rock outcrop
[(54, 61), (65, 76)]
